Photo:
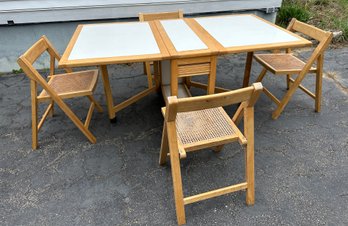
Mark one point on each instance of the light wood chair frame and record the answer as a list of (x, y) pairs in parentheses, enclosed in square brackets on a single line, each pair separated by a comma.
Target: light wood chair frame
[(157, 64), (317, 57), (26, 63), (172, 147)]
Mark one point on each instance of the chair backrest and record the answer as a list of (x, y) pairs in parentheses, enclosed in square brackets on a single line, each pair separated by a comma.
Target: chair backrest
[(249, 94), (161, 16), (27, 60), (323, 37), (309, 30)]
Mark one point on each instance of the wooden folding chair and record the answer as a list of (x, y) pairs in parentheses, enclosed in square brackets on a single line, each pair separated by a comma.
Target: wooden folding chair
[(200, 122), (57, 88), (156, 65), (287, 64)]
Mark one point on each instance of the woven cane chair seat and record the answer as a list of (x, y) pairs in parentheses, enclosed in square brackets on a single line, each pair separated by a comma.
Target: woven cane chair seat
[(72, 84), (203, 126), (282, 63)]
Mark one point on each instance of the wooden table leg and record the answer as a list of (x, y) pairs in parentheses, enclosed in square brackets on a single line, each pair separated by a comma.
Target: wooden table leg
[(157, 74), (212, 76), (247, 70), (108, 94), (174, 78)]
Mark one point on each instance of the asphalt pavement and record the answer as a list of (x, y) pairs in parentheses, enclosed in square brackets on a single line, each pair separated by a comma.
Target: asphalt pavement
[(301, 159)]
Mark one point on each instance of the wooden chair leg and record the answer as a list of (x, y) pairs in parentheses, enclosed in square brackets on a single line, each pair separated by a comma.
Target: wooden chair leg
[(319, 83), (144, 68), (164, 146), (288, 77), (74, 119), (238, 115), (261, 75), (89, 115), (81, 126), (188, 82), (52, 109), (34, 106), (287, 96), (247, 70), (217, 149), (148, 74), (97, 105), (212, 76), (249, 154), (176, 173)]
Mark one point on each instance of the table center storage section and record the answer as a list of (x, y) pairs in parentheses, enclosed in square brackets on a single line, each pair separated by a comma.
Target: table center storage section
[(181, 35), (191, 55)]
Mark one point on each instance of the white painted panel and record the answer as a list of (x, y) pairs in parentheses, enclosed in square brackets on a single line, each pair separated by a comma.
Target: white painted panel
[(182, 92), (113, 40), (243, 30), (49, 4), (35, 11), (165, 72), (181, 35)]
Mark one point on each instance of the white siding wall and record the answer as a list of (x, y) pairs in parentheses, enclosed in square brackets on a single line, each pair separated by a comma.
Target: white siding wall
[(14, 40), (36, 11)]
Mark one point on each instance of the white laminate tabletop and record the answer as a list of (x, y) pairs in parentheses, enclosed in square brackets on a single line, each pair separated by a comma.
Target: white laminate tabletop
[(244, 30), (181, 35), (114, 40)]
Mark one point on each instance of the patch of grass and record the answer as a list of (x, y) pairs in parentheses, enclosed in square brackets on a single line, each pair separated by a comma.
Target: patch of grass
[(321, 2), (341, 25), (345, 30), (326, 14), (19, 71), (292, 10)]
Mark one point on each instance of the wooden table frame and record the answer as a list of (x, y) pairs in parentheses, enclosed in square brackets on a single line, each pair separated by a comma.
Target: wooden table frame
[(103, 62), (207, 57)]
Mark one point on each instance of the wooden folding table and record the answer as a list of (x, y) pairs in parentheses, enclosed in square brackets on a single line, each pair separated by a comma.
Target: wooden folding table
[(187, 47), (114, 43)]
